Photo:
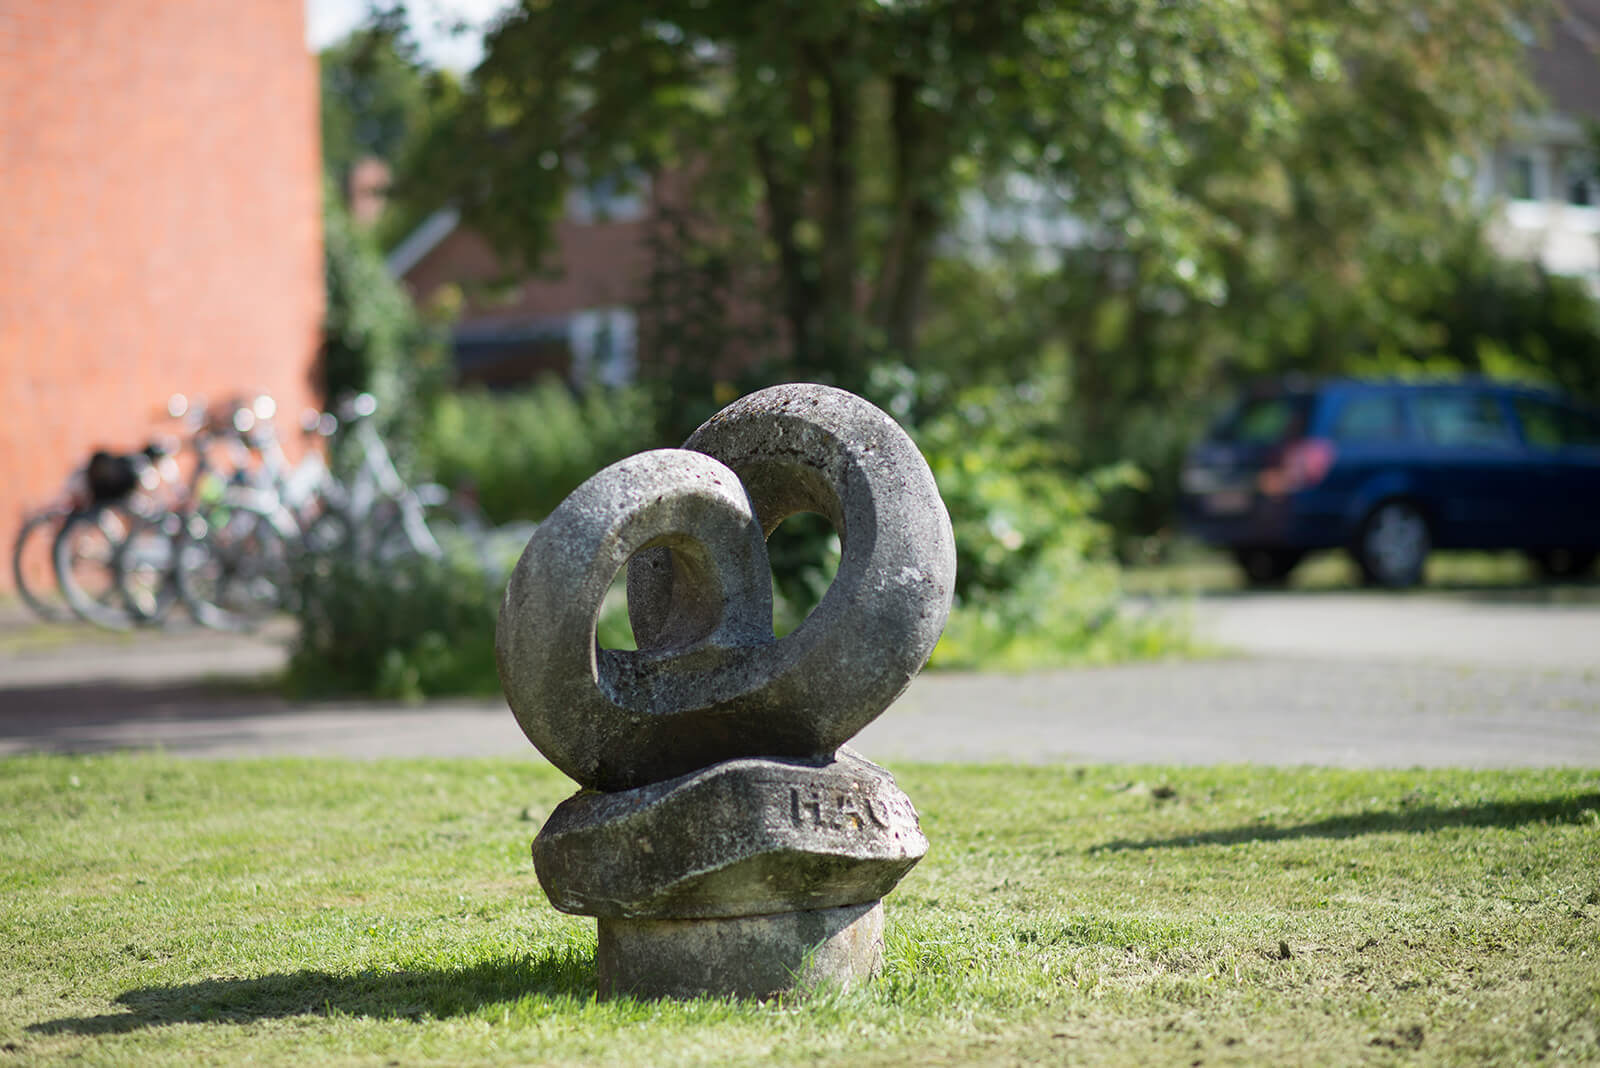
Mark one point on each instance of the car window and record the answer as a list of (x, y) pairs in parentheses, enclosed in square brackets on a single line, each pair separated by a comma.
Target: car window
[(1265, 420), (1555, 426), (1541, 422), (1462, 420), (1371, 417)]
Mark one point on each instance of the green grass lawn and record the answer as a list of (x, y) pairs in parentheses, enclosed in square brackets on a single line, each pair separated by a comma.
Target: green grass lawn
[(165, 911)]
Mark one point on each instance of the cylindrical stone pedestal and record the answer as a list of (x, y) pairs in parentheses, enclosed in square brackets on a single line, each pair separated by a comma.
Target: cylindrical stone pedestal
[(742, 956)]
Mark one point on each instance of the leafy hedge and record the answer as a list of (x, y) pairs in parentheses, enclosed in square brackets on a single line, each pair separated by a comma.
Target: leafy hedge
[(399, 631), (525, 451), (1036, 579)]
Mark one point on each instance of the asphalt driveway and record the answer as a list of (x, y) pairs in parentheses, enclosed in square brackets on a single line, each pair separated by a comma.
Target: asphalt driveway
[(1359, 680)]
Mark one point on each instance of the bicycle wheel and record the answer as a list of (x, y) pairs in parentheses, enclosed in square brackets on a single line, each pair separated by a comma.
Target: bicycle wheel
[(85, 554), (33, 566), (145, 570), (232, 573)]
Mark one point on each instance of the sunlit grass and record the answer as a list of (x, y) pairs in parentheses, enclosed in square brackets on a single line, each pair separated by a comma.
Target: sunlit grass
[(161, 911)]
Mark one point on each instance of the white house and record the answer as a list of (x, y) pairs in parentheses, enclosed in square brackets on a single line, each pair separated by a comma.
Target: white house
[(1546, 179)]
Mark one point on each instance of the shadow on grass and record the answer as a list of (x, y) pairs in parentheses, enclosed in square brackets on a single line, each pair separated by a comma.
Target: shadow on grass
[(409, 994), (1409, 819)]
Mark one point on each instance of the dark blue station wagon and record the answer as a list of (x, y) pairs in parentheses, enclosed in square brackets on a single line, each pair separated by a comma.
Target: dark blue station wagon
[(1390, 471)]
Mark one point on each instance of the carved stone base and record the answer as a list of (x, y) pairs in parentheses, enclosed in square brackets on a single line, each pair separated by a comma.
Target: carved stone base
[(750, 837), (744, 956)]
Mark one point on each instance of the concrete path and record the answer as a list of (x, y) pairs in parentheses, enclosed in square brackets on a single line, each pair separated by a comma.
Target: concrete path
[(1353, 680)]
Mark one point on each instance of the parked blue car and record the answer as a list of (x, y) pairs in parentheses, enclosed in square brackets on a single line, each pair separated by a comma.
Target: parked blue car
[(1390, 471)]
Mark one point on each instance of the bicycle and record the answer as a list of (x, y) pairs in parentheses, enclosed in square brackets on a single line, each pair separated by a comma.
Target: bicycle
[(32, 553), (124, 491)]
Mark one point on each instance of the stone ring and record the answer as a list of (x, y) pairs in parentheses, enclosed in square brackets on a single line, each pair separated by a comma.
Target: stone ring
[(709, 681)]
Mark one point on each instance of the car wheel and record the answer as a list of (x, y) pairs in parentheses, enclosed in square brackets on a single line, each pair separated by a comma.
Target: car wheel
[(1267, 567), (1392, 548), (1558, 564)]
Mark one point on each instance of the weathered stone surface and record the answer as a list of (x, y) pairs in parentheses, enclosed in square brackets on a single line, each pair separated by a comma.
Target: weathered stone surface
[(709, 683), (739, 838), (749, 956), (613, 719), (811, 448)]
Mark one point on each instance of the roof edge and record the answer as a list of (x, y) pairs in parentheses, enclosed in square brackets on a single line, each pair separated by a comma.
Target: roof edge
[(421, 241)]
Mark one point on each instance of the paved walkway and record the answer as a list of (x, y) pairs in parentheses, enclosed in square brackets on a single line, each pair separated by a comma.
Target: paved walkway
[(1347, 680)]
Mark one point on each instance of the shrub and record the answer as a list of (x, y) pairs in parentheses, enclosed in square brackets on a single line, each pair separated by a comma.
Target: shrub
[(525, 451), (373, 339), (412, 628), (400, 631), (1036, 579)]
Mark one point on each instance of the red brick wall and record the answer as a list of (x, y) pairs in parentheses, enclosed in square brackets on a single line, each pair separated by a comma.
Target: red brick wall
[(160, 222)]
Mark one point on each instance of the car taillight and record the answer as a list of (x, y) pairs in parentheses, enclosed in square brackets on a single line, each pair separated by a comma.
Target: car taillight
[(1302, 465)]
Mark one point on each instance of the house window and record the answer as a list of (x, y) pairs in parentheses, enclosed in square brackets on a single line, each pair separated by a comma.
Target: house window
[(609, 198), (1583, 184), (604, 346), (1521, 177)]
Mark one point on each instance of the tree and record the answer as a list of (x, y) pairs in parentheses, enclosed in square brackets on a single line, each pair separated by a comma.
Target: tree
[(845, 129), (1324, 240), (379, 99), (372, 339), (373, 95)]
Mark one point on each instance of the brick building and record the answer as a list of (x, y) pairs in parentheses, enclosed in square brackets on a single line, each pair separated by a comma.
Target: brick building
[(160, 222), (576, 320)]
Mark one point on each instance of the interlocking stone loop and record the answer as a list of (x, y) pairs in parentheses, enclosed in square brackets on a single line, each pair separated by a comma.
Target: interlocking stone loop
[(709, 682), (593, 712)]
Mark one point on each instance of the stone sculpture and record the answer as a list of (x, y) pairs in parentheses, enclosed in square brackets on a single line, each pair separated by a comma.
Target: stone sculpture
[(724, 836)]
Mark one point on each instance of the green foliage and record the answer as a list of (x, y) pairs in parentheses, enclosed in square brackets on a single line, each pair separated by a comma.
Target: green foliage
[(427, 628), (1207, 146), (846, 130), (374, 93), (416, 627), (1260, 188), (1504, 319), (404, 632), (1141, 370), (705, 341), (524, 452), (380, 100), (1036, 581), (373, 340), (1036, 584)]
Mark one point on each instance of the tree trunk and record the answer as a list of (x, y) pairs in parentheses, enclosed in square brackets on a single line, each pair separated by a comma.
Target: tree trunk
[(840, 351), (919, 162), (796, 289)]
